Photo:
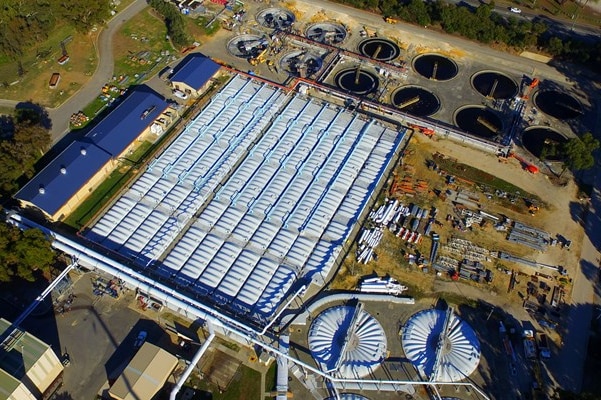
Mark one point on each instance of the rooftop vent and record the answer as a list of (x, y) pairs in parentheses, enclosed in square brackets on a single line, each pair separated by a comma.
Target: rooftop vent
[(83, 151), (42, 190), (63, 170)]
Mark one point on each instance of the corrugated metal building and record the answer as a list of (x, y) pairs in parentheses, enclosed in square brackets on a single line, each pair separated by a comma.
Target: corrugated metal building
[(29, 368), (255, 198), (145, 375), (68, 179), (193, 74)]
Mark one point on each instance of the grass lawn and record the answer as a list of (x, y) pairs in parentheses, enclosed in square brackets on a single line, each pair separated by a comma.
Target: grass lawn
[(270, 377), (564, 11), (38, 64), (246, 385), (140, 48)]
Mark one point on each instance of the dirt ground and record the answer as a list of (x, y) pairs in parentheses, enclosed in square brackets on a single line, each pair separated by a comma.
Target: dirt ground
[(555, 217)]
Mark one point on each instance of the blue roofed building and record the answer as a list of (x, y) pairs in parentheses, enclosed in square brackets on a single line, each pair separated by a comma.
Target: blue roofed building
[(193, 74), (68, 179)]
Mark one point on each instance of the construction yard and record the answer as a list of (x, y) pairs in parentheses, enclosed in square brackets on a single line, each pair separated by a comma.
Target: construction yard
[(492, 241)]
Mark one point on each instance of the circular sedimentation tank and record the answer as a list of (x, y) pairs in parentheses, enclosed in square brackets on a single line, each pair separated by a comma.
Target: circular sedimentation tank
[(436, 67), (357, 81), (415, 100), (494, 84), (275, 18), (326, 32), (558, 104), (379, 49), (542, 139), (478, 121), (459, 352), (245, 46), (348, 341), (301, 63)]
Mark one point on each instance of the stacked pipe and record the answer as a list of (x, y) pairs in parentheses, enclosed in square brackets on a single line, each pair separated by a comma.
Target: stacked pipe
[(382, 285), (368, 241)]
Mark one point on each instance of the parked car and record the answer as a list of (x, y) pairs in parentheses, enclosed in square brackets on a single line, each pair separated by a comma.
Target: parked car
[(180, 94), (140, 339), (515, 10)]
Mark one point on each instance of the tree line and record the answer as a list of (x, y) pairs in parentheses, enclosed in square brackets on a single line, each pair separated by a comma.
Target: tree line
[(484, 25), (24, 138), (25, 23), (174, 21), (23, 253)]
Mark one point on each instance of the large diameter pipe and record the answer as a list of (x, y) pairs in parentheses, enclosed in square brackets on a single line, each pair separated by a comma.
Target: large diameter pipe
[(199, 310), (182, 379)]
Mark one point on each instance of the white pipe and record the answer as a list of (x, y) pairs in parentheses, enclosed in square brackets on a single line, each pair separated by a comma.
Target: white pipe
[(182, 379), (298, 292), (38, 300), (199, 310)]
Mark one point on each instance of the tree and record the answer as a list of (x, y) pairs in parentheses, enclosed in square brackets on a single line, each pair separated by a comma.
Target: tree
[(23, 253), (174, 21), (28, 140), (578, 152)]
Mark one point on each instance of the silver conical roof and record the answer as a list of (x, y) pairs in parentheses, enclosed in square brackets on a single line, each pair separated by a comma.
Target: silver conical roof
[(347, 341), (459, 352)]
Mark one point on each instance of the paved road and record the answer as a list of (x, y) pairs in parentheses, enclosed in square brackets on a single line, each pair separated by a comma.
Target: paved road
[(104, 71), (569, 27)]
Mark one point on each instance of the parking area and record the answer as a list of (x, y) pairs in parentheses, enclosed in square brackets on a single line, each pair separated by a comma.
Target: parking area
[(96, 331)]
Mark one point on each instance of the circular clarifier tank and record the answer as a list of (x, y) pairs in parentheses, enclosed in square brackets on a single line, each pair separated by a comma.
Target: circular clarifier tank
[(415, 100), (436, 67), (326, 32), (347, 341), (558, 104), (357, 81), (478, 121), (245, 46), (275, 18), (494, 84), (542, 139), (379, 49)]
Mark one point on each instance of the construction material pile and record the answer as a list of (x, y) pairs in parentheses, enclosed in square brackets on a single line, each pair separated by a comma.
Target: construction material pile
[(385, 285), (403, 221), (529, 236)]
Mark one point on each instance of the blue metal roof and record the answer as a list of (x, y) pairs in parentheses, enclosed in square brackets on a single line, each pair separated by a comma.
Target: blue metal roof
[(127, 120), (195, 70), (64, 176)]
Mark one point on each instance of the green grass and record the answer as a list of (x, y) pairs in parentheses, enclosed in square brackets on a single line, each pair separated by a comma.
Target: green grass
[(38, 64), (480, 177), (210, 30), (6, 111), (246, 385), (97, 199), (107, 189), (270, 377), (143, 33)]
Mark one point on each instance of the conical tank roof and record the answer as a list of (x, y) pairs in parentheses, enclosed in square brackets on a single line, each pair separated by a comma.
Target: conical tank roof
[(459, 350)]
